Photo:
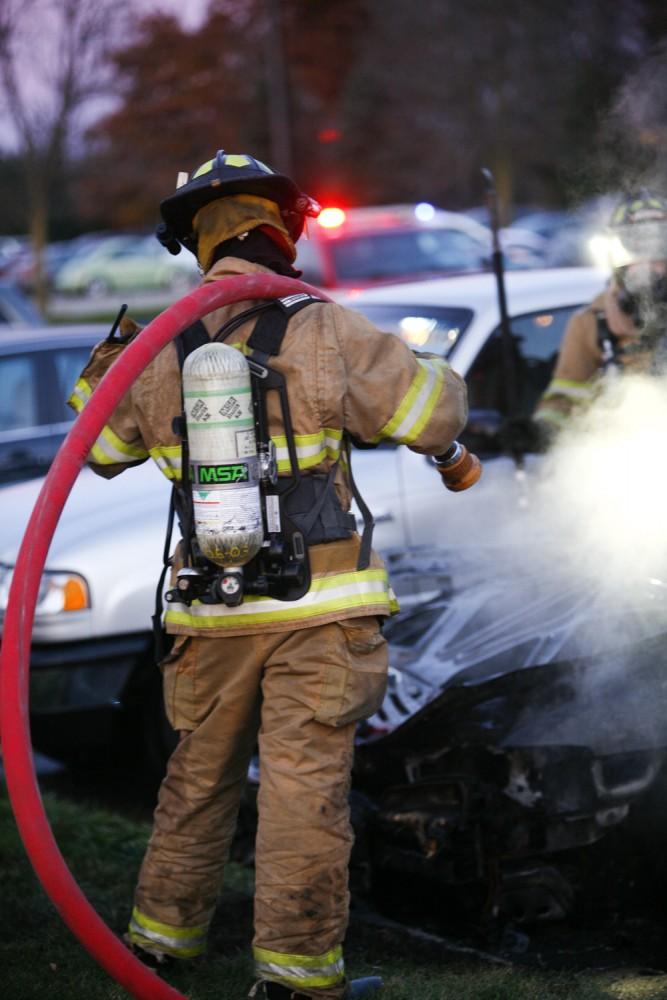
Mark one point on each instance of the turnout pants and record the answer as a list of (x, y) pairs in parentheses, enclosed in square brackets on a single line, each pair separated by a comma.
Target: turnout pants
[(298, 696)]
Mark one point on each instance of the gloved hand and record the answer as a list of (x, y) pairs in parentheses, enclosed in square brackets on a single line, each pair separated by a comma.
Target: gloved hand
[(523, 435)]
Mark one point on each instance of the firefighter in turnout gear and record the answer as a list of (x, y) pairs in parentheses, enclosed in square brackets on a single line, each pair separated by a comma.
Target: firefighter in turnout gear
[(624, 328), (299, 660)]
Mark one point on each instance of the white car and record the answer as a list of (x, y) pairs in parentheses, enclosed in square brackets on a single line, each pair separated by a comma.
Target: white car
[(459, 318), (92, 665)]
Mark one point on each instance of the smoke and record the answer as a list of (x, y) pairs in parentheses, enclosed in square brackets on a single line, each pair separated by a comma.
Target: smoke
[(632, 141), (604, 487)]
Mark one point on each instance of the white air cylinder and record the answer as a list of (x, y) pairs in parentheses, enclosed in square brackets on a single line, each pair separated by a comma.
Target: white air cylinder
[(223, 454)]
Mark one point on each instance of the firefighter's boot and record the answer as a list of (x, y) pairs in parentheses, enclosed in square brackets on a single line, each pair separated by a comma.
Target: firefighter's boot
[(357, 989)]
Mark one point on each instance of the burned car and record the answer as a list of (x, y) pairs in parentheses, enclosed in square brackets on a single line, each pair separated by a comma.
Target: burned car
[(518, 726)]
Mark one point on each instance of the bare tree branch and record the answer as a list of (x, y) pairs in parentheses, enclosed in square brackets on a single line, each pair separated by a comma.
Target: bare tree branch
[(54, 57)]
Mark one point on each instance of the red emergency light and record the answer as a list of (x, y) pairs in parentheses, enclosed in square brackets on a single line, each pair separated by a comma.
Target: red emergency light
[(331, 218)]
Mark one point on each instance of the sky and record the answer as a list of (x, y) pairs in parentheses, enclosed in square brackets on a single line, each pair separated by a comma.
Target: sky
[(189, 12)]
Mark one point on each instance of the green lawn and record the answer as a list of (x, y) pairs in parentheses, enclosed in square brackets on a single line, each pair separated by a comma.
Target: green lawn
[(40, 960)]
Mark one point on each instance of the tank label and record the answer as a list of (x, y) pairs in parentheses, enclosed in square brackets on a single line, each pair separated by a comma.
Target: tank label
[(205, 475), (245, 443)]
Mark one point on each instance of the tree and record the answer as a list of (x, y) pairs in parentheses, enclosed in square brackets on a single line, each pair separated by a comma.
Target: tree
[(443, 88), (632, 151), (53, 62), (183, 95), (187, 93)]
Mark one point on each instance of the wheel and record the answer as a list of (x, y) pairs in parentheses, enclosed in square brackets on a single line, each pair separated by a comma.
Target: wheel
[(97, 287)]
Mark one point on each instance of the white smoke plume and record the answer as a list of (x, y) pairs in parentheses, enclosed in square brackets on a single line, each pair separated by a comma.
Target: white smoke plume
[(604, 487)]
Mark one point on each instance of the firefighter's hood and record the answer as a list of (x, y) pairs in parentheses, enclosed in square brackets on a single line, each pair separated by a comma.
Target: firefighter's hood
[(225, 218)]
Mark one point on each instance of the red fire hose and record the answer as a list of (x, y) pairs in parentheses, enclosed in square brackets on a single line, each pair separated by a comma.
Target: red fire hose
[(22, 785)]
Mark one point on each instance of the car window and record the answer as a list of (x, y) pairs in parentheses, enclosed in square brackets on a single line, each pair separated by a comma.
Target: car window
[(308, 261), (423, 328), (536, 339), (377, 256), (68, 363), (19, 407)]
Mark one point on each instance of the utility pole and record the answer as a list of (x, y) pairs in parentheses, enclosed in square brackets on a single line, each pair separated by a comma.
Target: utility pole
[(280, 136)]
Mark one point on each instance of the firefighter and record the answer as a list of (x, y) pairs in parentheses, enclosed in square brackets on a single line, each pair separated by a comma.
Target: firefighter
[(621, 330), (293, 677)]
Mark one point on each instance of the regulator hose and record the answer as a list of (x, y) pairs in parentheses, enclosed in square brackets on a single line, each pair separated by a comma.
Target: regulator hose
[(50, 867)]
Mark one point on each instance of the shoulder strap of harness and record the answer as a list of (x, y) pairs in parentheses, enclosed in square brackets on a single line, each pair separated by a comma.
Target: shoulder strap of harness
[(265, 341)]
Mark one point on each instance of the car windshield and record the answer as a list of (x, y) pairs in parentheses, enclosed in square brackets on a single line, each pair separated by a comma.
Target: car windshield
[(423, 328), (379, 256)]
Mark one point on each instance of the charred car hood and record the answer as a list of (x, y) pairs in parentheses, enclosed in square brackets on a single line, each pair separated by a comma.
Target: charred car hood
[(487, 650)]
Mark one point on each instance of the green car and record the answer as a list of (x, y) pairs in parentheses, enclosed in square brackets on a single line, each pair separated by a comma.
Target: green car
[(126, 263)]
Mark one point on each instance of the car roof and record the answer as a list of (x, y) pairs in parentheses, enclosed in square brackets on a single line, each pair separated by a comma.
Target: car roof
[(39, 338), (378, 218), (479, 291)]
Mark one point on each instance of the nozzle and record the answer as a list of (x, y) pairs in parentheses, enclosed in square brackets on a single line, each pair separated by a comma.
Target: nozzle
[(459, 468)]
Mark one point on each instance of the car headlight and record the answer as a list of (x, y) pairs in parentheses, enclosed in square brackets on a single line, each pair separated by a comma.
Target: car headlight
[(58, 592)]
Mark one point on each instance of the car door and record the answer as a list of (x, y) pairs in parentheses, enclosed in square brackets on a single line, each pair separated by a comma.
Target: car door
[(402, 489), (436, 517), (24, 445), (34, 417)]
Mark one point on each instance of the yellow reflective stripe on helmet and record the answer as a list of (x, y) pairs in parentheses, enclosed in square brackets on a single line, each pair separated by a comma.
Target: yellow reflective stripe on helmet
[(336, 592), (417, 405), (311, 449), (184, 942), (301, 970), (204, 169), (168, 458), (570, 388), (236, 160)]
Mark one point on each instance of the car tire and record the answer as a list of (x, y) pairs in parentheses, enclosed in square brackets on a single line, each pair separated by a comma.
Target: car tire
[(97, 287)]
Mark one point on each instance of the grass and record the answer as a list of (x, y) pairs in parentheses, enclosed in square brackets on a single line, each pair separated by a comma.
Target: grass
[(40, 960)]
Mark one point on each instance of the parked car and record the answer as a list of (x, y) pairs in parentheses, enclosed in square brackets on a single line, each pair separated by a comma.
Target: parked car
[(569, 237), (513, 732), (37, 368), (358, 247), (22, 269), (16, 311), (126, 263)]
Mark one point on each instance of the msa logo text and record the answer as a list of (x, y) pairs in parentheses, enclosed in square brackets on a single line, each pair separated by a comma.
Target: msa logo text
[(208, 474)]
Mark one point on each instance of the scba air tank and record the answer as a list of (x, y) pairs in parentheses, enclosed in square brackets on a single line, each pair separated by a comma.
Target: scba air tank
[(223, 454)]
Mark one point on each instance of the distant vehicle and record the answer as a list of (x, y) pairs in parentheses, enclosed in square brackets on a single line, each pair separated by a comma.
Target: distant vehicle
[(16, 310), (10, 248), (570, 237), (126, 263), (360, 247), (38, 367), (22, 269)]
